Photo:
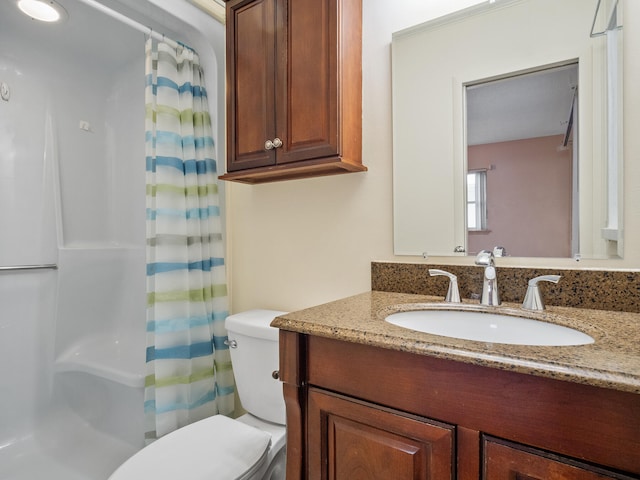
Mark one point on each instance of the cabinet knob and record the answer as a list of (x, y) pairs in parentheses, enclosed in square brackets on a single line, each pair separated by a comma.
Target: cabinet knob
[(271, 144)]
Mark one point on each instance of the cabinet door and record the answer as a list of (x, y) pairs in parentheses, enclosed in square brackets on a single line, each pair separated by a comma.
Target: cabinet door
[(251, 63), (308, 81), (507, 461), (283, 81), (353, 440)]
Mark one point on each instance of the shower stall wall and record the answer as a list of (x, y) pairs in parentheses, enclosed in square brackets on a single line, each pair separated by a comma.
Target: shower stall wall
[(72, 194)]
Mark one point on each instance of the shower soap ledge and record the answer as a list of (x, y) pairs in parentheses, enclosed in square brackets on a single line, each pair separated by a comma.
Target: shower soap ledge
[(105, 357)]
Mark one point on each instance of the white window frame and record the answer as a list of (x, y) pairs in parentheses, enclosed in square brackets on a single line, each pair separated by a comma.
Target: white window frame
[(477, 201)]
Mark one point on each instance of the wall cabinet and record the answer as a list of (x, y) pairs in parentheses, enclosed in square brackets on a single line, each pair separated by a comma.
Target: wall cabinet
[(361, 412), (294, 89)]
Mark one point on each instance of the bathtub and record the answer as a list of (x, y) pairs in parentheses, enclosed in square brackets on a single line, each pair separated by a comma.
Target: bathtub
[(71, 400), (99, 367)]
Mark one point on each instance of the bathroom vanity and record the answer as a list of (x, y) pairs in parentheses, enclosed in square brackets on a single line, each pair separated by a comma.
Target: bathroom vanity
[(367, 399)]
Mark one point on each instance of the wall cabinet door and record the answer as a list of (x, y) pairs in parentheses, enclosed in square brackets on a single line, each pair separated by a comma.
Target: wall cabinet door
[(294, 88), (507, 461), (352, 440), (251, 77)]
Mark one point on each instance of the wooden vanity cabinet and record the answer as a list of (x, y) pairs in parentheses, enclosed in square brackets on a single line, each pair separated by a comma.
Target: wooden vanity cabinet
[(359, 412), (294, 89)]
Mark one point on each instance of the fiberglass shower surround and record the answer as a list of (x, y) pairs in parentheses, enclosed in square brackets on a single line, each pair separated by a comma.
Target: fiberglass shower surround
[(72, 195)]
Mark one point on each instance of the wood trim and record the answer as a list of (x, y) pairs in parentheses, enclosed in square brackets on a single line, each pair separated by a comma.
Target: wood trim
[(293, 374), (294, 399), (311, 168), (292, 358), (468, 454), (350, 72)]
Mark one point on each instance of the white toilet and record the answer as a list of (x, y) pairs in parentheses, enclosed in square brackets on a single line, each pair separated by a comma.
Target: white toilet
[(249, 447)]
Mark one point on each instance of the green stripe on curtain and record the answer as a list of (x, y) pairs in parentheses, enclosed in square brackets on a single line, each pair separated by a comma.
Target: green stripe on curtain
[(187, 295)]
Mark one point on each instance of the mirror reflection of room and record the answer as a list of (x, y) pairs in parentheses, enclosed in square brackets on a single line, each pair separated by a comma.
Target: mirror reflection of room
[(521, 164), (563, 201)]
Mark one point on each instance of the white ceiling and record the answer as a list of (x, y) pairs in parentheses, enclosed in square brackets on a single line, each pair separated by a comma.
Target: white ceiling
[(527, 106)]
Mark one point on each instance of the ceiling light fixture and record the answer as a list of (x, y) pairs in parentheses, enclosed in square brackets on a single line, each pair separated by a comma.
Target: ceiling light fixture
[(43, 10)]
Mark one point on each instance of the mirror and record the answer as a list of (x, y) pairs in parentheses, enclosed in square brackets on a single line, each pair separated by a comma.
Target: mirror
[(558, 202), (522, 168)]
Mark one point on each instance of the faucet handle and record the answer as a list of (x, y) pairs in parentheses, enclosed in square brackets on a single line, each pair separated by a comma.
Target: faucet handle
[(485, 258), (499, 251), (533, 298), (453, 294)]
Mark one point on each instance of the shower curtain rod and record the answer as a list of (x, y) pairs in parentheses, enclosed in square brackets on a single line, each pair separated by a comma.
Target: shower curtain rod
[(132, 23)]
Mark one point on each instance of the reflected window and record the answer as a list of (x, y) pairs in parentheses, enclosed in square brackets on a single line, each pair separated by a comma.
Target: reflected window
[(477, 200)]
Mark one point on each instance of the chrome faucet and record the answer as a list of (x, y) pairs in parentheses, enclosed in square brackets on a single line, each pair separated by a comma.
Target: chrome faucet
[(453, 294), (490, 294), (533, 298)]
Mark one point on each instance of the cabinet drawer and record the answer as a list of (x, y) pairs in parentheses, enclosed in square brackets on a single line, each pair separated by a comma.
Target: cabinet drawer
[(509, 461)]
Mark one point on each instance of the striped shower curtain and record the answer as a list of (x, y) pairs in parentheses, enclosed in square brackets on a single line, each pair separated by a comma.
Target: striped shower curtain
[(189, 374)]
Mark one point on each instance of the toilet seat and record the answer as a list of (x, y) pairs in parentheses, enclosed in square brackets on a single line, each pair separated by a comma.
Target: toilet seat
[(216, 447)]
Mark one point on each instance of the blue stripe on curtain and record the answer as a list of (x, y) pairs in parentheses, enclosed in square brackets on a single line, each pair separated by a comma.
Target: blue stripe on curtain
[(195, 90), (167, 83), (206, 265), (184, 324), (150, 405), (224, 390), (208, 165), (178, 324), (168, 138), (200, 166), (194, 350), (189, 373), (168, 162), (203, 213)]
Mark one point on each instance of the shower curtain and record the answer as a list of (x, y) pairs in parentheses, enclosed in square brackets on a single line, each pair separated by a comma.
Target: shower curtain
[(189, 374)]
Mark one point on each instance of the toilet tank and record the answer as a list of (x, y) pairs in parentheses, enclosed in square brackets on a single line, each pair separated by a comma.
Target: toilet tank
[(253, 345)]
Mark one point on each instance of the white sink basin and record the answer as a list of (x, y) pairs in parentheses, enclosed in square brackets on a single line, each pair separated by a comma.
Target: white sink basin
[(488, 327)]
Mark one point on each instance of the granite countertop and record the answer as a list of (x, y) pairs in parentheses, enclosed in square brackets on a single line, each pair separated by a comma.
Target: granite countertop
[(612, 361)]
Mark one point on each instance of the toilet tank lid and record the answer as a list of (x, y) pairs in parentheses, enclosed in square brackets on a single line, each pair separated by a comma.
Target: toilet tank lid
[(254, 323)]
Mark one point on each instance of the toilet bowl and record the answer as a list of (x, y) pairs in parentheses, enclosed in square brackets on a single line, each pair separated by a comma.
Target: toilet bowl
[(249, 447)]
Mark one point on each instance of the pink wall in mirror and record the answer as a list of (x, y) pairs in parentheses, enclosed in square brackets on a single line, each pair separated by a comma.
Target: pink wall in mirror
[(529, 187)]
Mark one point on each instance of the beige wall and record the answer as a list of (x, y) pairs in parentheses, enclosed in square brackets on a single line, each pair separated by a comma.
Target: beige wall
[(300, 243)]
